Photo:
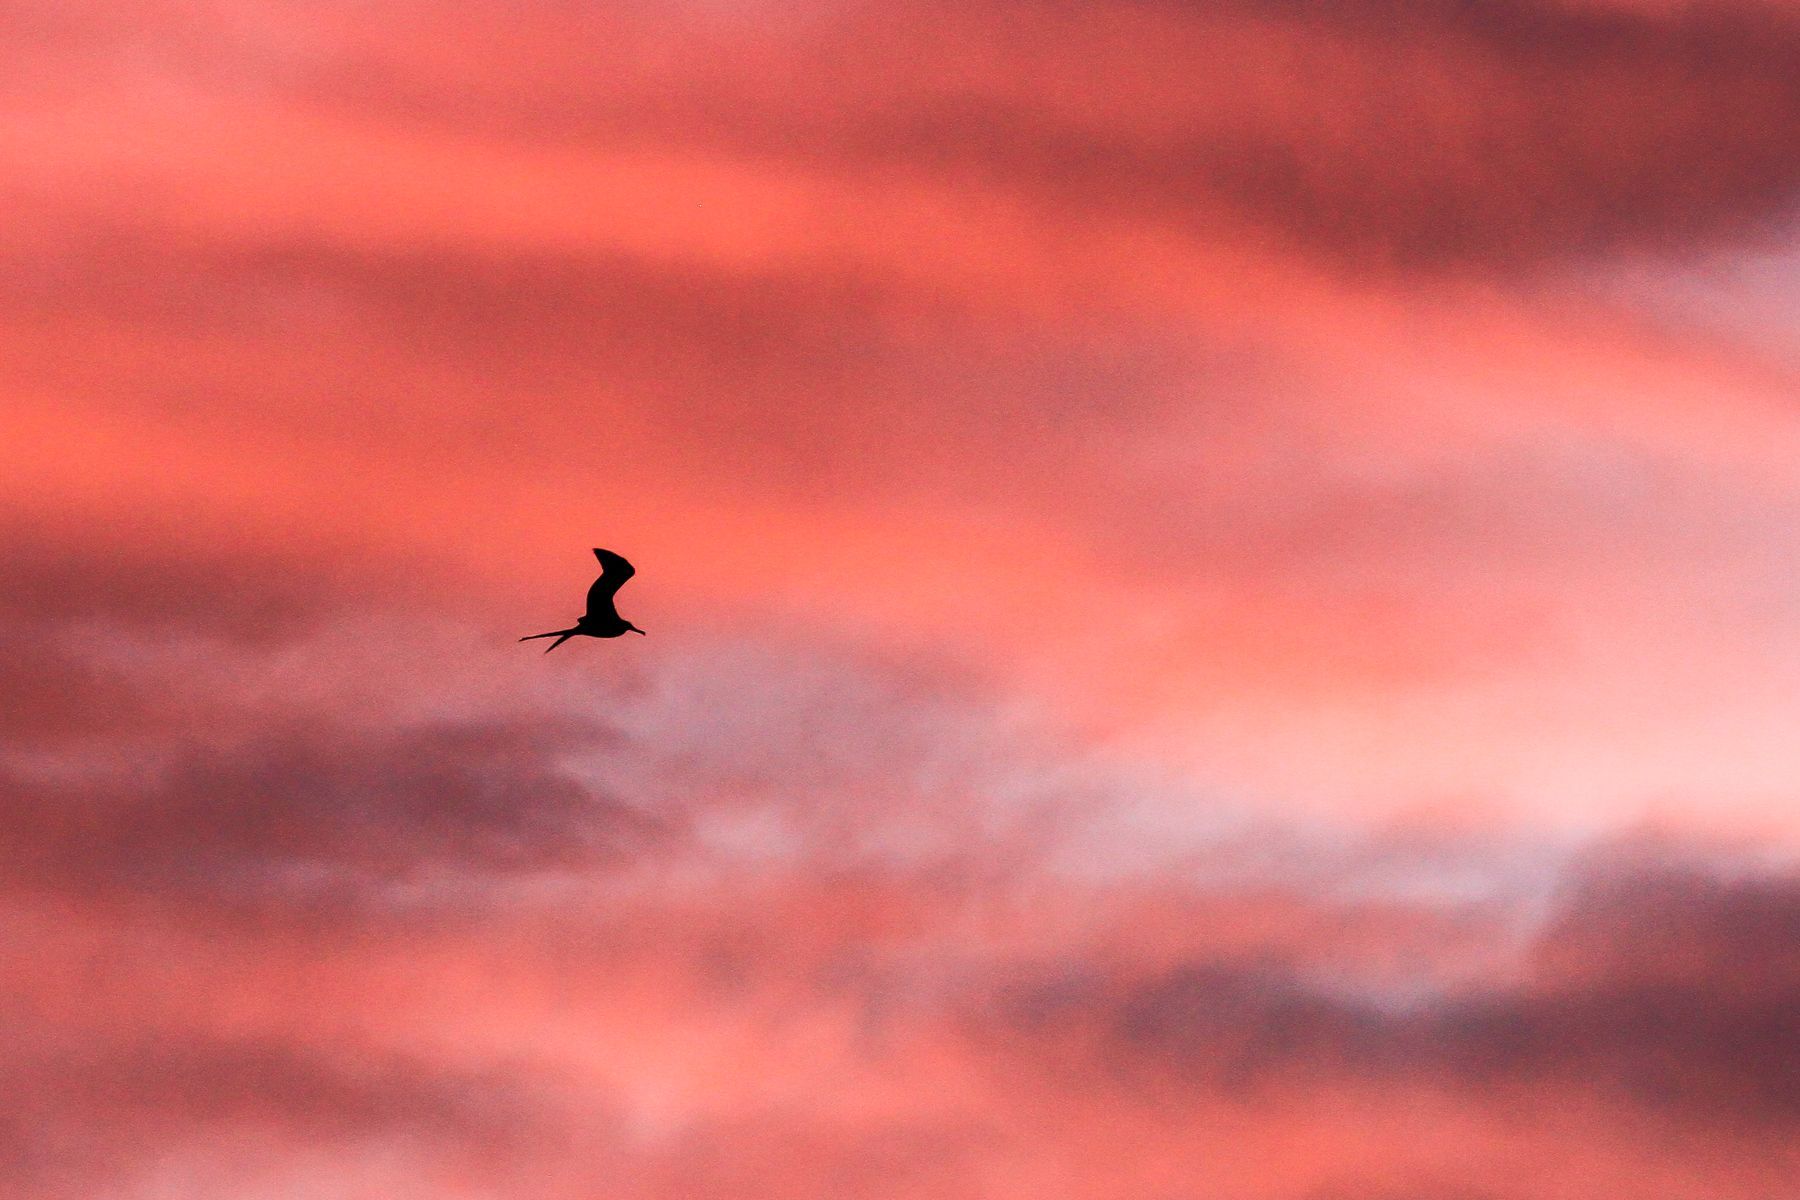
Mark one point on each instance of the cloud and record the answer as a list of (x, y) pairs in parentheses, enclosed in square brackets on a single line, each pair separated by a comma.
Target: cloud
[(56, 695), (1640, 1024), (1369, 132), (319, 814), (870, 1020), (247, 1109), (1158, 562), (1648, 918), (125, 581)]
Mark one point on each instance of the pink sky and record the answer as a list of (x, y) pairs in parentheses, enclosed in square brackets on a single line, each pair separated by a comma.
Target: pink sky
[(1220, 583)]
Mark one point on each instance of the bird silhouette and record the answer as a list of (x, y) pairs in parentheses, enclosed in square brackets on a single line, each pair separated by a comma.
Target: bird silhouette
[(601, 620)]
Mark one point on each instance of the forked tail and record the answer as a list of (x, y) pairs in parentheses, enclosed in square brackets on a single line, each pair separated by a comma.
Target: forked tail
[(561, 636)]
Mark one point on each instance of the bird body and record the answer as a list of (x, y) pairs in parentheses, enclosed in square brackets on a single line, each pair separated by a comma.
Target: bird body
[(602, 619)]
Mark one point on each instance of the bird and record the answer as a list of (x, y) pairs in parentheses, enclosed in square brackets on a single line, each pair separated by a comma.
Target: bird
[(601, 620)]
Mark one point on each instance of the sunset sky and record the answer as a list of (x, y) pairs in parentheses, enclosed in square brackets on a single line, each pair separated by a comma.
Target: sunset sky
[(1222, 580)]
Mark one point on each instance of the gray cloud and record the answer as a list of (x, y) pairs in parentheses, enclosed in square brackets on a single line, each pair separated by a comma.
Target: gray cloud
[(322, 814), (1712, 1040), (57, 578)]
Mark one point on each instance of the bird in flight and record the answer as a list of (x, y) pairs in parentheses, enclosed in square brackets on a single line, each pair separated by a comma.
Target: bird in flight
[(601, 620)]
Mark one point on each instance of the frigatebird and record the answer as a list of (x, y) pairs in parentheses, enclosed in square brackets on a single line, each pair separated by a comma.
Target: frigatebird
[(601, 620)]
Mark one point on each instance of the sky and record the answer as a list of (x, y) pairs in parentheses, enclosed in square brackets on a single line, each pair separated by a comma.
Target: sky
[(1220, 583)]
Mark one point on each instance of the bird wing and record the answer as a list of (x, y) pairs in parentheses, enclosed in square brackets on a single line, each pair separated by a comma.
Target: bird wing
[(614, 571)]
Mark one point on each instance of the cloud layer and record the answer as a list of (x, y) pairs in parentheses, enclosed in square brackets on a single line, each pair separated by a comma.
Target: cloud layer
[(1219, 582)]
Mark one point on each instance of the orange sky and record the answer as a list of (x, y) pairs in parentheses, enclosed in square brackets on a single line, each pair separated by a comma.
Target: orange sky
[(1219, 582)]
